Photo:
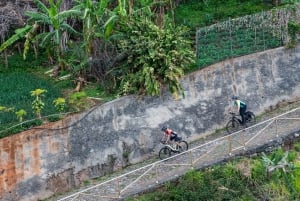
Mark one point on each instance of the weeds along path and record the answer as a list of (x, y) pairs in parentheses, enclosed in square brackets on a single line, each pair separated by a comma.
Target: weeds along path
[(270, 131)]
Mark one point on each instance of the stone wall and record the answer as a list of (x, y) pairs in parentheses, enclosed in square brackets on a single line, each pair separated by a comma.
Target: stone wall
[(50, 159)]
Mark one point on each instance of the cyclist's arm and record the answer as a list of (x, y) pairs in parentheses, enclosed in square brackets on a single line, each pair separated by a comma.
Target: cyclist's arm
[(234, 107), (165, 138), (238, 103)]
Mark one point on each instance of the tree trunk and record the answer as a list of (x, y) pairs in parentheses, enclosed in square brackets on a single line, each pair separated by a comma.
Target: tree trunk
[(6, 59), (79, 85)]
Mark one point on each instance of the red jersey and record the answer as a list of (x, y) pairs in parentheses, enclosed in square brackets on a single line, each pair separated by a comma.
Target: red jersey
[(168, 132)]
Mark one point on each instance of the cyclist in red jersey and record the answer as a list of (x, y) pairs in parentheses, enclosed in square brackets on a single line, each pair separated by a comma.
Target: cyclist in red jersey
[(169, 135)]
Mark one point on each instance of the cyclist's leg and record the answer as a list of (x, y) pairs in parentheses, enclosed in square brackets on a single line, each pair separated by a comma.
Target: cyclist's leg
[(177, 140), (173, 137), (242, 113)]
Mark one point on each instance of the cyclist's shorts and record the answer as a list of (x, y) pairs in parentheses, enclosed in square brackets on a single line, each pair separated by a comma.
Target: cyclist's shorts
[(176, 138)]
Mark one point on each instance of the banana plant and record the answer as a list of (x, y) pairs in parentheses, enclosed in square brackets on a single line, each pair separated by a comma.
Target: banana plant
[(97, 19), (98, 27), (56, 20), (281, 163), (19, 33), (56, 25)]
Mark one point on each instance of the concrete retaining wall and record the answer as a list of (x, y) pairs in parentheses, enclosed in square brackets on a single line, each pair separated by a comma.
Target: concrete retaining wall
[(37, 163)]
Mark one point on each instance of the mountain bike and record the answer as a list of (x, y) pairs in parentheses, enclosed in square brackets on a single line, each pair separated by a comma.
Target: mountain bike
[(168, 149), (235, 123)]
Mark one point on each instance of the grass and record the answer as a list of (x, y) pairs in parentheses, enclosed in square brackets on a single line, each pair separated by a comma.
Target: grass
[(242, 179)]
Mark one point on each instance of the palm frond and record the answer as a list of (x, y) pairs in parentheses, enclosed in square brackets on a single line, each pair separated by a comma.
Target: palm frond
[(69, 13), (144, 10), (85, 12), (40, 36), (79, 6), (266, 161), (38, 17), (69, 29), (19, 33), (283, 160), (108, 26), (41, 6), (102, 6), (46, 39)]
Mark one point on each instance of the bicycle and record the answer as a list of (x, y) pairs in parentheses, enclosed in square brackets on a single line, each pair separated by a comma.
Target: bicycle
[(178, 146), (235, 122)]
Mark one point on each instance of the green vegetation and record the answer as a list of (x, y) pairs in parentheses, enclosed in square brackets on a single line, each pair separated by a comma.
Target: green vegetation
[(293, 29), (274, 176), (104, 26), (196, 13), (246, 35), (148, 47), (241, 36), (238, 27), (116, 52), (16, 88)]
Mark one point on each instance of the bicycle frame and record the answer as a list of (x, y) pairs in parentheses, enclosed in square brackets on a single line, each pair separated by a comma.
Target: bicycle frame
[(171, 147), (235, 116), (168, 144), (236, 121)]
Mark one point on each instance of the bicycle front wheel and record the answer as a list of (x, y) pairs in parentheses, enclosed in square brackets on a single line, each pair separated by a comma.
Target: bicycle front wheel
[(232, 126), (164, 153), (183, 146)]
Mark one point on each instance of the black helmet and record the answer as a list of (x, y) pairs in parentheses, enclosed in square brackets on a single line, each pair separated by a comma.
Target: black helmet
[(164, 128), (234, 97)]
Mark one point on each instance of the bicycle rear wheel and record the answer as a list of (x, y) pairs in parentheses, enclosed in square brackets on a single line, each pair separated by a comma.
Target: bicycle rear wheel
[(250, 118), (183, 146), (232, 126), (164, 153)]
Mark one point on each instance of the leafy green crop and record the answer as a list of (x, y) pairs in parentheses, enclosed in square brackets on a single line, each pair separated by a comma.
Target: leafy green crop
[(242, 36), (195, 13), (15, 93)]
